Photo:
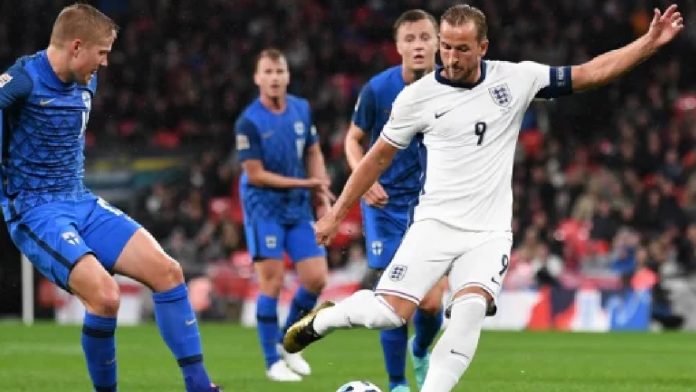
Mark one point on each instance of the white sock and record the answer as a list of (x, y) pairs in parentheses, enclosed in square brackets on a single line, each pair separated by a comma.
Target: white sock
[(454, 351), (363, 308)]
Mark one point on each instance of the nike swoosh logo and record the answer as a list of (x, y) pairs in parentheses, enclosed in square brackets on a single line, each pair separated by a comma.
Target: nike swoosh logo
[(190, 322), (495, 281), (442, 113), (110, 362), (460, 354), (44, 102)]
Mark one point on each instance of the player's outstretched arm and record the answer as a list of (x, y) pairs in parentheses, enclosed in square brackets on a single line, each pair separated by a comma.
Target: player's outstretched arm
[(377, 159), (612, 65)]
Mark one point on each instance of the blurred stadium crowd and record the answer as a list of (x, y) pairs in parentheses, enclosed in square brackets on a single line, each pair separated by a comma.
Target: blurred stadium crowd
[(605, 182)]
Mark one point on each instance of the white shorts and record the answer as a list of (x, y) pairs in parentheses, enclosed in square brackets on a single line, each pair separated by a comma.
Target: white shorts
[(431, 249)]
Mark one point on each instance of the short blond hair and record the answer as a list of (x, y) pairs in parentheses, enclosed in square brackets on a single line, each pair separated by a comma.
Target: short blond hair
[(84, 22)]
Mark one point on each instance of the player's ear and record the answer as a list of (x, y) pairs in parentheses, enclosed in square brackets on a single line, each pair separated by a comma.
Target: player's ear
[(484, 46), (76, 45)]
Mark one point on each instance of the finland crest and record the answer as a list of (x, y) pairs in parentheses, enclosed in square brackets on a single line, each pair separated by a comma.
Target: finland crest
[(501, 94), (397, 273)]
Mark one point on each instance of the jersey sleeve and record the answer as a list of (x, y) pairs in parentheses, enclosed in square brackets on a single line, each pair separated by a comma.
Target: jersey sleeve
[(312, 137), (405, 120), (15, 85), (247, 140), (549, 82), (364, 112)]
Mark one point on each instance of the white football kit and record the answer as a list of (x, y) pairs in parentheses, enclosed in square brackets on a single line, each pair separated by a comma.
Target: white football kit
[(462, 222)]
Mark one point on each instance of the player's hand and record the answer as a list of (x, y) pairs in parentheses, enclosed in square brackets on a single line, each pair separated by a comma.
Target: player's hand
[(376, 196), (326, 228), (664, 27), (318, 183)]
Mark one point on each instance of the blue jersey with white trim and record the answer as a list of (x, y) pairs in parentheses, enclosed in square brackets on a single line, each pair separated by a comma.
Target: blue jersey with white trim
[(280, 142), (402, 179), (43, 134)]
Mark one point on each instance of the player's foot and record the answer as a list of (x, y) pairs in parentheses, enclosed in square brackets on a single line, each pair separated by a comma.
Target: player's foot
[(215, 388), (420, 364), (280, 371), (295, 362), (302, 333), (401, 388)]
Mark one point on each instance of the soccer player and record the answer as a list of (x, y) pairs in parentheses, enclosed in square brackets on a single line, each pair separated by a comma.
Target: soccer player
[(74, 238), (385, 206), (283, 175), (469, 112)]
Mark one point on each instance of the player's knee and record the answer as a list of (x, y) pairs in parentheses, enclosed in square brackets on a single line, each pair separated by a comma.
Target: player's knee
[(168, 274), (431, 305), (106, 300), (316, 284), (270, 284)]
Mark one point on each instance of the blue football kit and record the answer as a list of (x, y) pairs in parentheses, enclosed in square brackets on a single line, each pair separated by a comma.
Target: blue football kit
[(277, 219), (51, 216), (385, 227)]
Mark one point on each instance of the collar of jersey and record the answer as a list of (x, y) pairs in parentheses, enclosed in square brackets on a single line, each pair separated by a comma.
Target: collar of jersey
[(444, 80), (51, 77)]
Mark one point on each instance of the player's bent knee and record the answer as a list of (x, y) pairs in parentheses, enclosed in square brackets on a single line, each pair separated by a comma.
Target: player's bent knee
[(373, 311), (316, 285), (431, 304), (104, 301), (167, 275)]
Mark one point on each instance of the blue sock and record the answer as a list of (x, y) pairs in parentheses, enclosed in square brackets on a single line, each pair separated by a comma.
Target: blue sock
[(394, 350), (267, 326), (179, 329), (302, 303), (99, 346), (426, 327)]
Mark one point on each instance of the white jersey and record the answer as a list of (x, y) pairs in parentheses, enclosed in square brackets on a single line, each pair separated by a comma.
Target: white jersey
[(469, 134)]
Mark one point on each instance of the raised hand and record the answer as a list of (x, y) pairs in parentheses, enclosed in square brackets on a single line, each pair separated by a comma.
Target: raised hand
[(664, 27)]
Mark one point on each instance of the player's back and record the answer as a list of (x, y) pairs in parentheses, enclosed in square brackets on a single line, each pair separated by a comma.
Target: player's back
[(402, 179), (279, 141), (43, 135)]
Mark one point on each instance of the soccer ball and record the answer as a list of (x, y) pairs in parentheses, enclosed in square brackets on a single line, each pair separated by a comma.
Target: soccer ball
[(359, 386)]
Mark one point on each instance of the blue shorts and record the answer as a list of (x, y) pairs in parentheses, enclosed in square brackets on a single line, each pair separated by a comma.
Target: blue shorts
[(55, 235), (268, 240), (384, 228)]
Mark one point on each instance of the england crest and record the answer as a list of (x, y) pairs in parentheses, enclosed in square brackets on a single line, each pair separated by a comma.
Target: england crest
[(501, 95)]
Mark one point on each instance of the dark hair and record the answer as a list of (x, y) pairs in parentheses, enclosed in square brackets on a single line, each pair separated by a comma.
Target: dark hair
[(84, 22), (270, 53), (411, 16), (460, 14)]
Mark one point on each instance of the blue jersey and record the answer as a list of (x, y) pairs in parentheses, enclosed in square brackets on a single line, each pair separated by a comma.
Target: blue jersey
[(43, 134), (279, 141), (402, 179)]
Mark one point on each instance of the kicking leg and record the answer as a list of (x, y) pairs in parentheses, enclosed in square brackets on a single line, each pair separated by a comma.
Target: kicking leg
[(363, 308)]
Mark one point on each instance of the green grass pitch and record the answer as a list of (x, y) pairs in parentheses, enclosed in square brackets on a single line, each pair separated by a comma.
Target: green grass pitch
[(47, 357)]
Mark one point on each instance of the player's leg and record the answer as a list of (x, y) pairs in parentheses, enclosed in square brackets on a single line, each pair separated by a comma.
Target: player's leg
[(265, 244), (384, 230), (417, 265), (312, 271), (427, 323), (48, 236), (124, 247), (475, 279)]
